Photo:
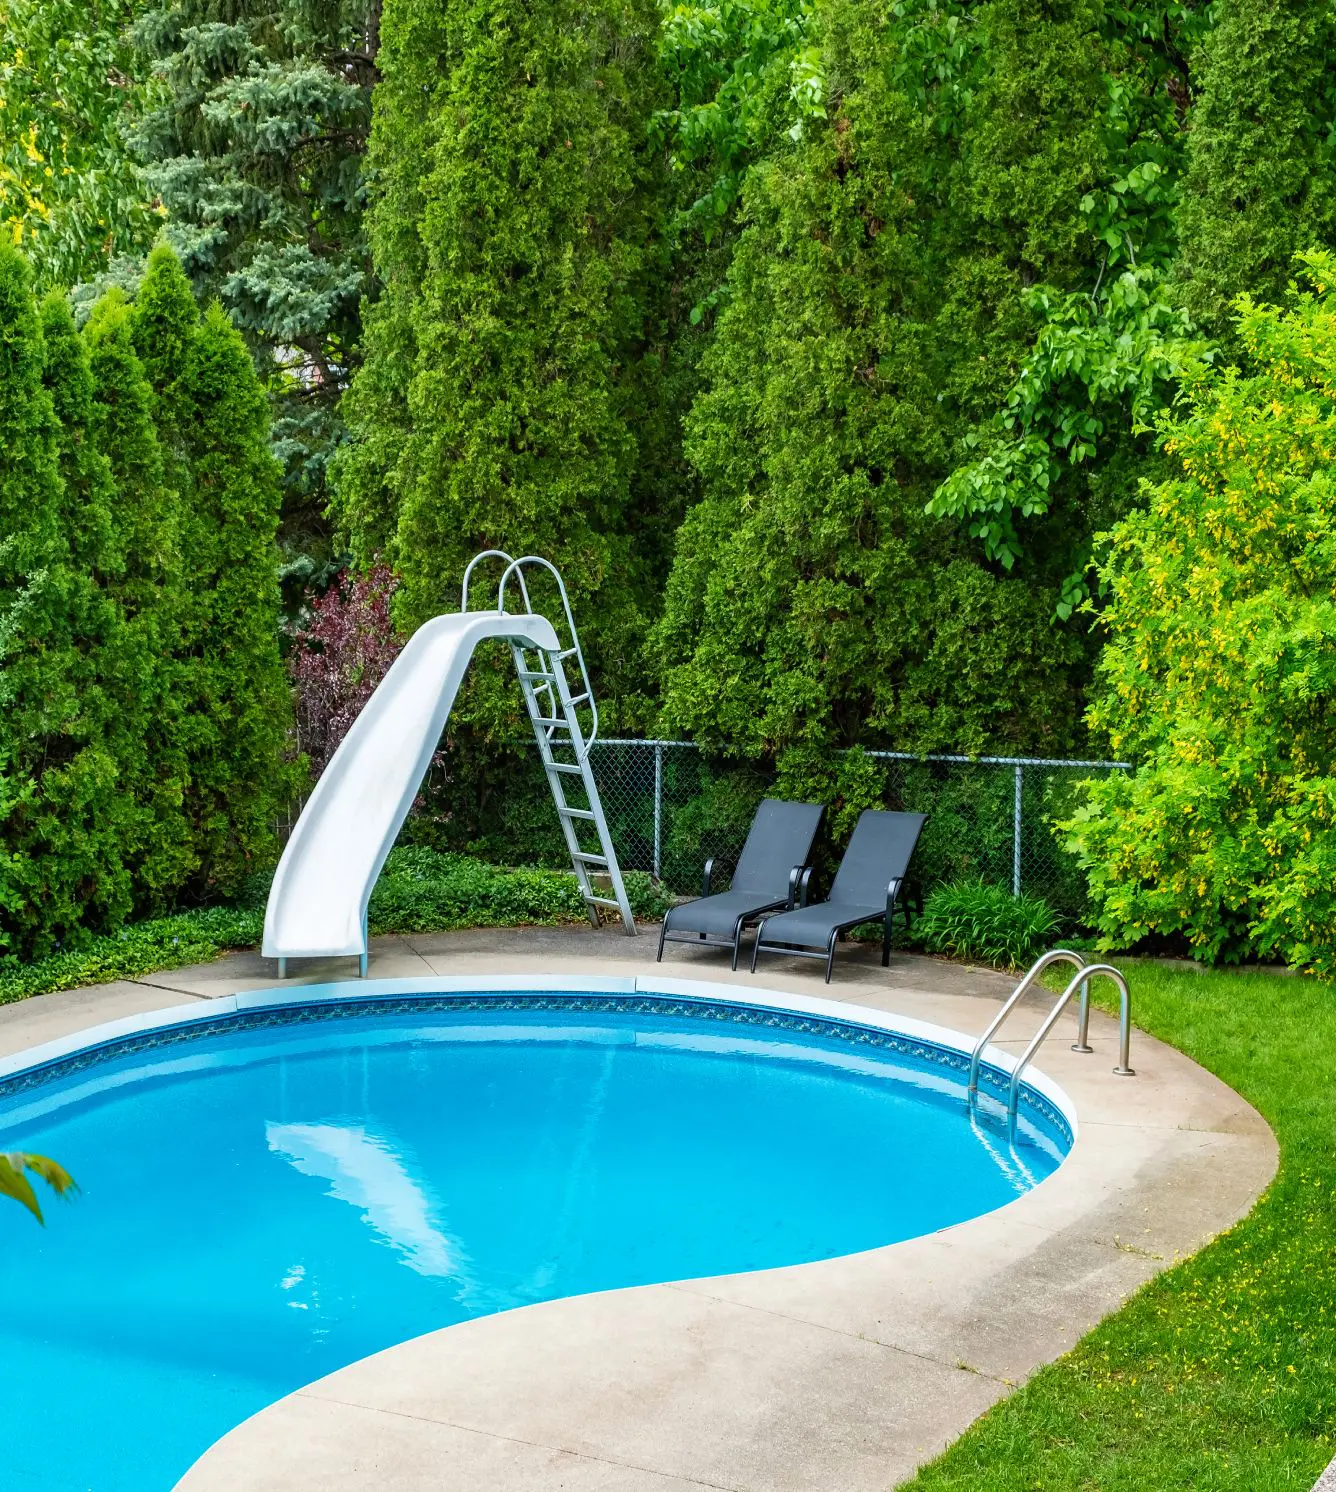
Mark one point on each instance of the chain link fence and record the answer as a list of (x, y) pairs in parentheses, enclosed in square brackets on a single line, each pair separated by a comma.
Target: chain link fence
[(669, 807)]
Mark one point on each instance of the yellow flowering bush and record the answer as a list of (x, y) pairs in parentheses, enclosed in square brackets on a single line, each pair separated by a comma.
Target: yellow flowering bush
[(1219, 674)]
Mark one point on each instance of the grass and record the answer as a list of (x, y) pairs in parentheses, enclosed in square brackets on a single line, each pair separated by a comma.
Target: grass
[(1220, 1375), (419, 891)]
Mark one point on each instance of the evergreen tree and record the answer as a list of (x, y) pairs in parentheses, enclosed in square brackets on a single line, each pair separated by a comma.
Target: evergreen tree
[(506, 376), (232, 705), (147, 587), (1259, 186), (253, 142), (876, 310), (240, 701), (63, 813)]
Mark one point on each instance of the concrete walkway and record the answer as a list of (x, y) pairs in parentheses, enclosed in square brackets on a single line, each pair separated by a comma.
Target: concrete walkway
[(839, 1376)]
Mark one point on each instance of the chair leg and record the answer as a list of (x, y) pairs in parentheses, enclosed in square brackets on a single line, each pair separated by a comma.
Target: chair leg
[(737, 943), (663, 935), (886, 942), (830, 956), (756, 946)]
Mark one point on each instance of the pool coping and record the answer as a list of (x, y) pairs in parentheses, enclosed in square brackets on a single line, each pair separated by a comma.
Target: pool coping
[(831, 1377)]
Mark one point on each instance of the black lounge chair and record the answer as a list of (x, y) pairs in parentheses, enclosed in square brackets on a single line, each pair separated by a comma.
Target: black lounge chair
[(867, 888), (771, 873)]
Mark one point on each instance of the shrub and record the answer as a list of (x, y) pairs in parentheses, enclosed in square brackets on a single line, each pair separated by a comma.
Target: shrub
[(974, 920), (339, 657), (419, 891), (1219, 678)]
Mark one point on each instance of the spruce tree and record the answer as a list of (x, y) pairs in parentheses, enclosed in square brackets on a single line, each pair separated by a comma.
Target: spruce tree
[(63, 813), (252, 142), (1259, 187), (503, 391)]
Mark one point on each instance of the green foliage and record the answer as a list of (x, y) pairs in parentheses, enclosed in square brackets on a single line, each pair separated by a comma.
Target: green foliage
[(423, 890), (507, 378), (1218, 1373), (70, 195), (1260, 184), (252, 136), (1218, 678), (419, 890), (877, 307), (62, 810), (238, 711), (144, 580), (986, 924), (1097, 360), (14, 1169)]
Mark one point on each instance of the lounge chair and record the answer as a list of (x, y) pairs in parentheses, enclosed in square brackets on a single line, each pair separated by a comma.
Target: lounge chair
[(771, 873), (867, 888)]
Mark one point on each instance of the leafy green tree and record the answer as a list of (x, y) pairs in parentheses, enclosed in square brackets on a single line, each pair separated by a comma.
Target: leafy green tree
[(252, 139), (1218, 677), (70, 194), (1259, 185), (506, 380)]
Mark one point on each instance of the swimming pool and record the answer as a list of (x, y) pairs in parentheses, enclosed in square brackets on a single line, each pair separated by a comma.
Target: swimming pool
[(282, 1189)]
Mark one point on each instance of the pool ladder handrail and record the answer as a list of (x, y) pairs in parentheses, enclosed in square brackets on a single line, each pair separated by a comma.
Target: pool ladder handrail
[(1080, 981)]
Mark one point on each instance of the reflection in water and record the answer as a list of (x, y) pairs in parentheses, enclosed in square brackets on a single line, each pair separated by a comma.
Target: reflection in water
[(364, 1171)]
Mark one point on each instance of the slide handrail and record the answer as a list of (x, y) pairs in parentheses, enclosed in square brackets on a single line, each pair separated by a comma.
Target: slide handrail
[(516, 568)]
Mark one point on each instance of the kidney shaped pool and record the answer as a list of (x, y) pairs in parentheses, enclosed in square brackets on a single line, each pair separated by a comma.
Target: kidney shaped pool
[(270, 1195)]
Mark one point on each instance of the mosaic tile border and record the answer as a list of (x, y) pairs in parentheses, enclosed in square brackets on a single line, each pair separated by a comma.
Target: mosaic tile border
[(991, 1079)]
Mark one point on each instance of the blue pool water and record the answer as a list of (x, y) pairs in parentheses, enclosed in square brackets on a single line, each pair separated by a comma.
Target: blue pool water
[(267, 1201)]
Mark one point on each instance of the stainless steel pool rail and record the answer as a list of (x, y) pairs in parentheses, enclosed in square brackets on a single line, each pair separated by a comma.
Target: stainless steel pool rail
[(1080, 981)]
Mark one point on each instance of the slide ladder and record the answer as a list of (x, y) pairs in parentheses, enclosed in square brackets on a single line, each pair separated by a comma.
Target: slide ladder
[(563, 745)]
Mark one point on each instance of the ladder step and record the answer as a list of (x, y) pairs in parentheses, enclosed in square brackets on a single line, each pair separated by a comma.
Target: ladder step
[(589, 859), (578, 699), (541, 720), (568, 653), (576, 813), (567, 767), (603, 901), (533, 678)]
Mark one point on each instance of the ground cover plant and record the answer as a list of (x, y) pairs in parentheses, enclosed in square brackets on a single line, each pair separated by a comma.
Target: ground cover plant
[(986, 924), (420, 890), (1220, 1375)]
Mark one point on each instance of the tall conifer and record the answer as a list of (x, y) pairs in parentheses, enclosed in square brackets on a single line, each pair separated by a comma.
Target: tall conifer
[(63, 813), (1259, 185), (498, 404)]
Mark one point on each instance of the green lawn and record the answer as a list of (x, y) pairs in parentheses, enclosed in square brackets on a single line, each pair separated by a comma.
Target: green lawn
[(1221, 1373)]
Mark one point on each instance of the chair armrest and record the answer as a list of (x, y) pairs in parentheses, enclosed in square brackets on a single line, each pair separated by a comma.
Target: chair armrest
[(795, 881), (705, 876), (892, 891), (805, 886)]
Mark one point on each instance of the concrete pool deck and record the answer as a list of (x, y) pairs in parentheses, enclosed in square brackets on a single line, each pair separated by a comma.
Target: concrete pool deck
[(838, 1376)]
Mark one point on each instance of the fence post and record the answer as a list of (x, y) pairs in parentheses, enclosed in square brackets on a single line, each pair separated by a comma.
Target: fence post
[(658, 808), (1016, 834)]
